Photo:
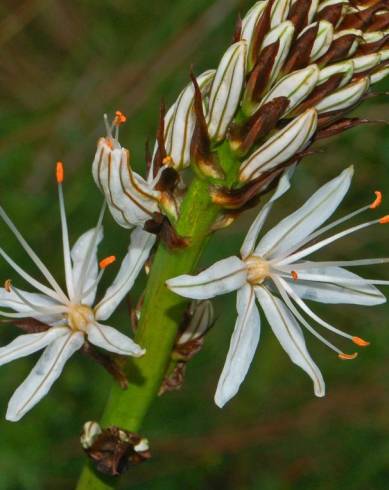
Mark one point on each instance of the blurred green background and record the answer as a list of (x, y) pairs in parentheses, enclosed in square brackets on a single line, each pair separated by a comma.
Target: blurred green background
[(63, 63)]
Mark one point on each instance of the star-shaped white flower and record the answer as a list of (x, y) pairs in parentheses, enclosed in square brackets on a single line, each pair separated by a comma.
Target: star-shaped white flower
[(72, 315), (275, 273)]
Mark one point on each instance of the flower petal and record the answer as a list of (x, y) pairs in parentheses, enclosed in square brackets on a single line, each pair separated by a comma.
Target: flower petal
[(290, 336), (243, 345), (252, 235), (297, 226), (112, 340), (85, 249), (223, 277), (44, 374), (25, 345), (9, 299), (138, 252), (335, 293)]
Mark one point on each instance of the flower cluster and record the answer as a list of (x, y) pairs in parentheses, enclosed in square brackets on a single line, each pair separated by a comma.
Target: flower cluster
[(294, 71)]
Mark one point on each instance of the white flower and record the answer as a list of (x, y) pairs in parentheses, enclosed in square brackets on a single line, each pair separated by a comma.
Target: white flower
[(276, 273), (72, 314), (131, 199)]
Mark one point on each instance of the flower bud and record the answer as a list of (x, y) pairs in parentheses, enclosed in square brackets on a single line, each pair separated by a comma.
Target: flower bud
[(355, 35), (276, 47), (323, 40), (344, 98), (201, 315), (180, 122), (366, 63), (282, 34), (279, 12), (250, 21), (333, 11), (131, 200), (281, 147), (296, 86), (90, 433), (379, 75), (345, 68), (226, 90)]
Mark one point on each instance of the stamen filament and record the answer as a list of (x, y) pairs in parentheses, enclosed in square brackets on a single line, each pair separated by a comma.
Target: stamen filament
[(317, 246), (338, 280), (339, 263), (328, 227), (33, 282), (300, 318), (93, 285), (9, 287), (33, 256), (65, 237), (312, 314)]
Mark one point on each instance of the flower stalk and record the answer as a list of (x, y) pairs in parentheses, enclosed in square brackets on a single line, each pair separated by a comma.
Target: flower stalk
[(161, 315)]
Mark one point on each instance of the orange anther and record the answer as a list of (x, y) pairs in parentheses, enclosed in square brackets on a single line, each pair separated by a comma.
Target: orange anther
[(378, 200), (120, 118), (360, 342), (348, 357), (107, 262), (168, 161), (294, 275), (8, 285), (59, 172), (384, 220)]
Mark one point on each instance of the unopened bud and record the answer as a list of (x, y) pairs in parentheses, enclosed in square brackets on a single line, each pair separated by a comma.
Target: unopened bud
[(250, 21), (90, 433), (202, 318), (323, 40), (379, 75), (345, 68), (296, 86), (226, 90), (366, 63), (180, 122), (279, 12), (344, 98), (281, 147)]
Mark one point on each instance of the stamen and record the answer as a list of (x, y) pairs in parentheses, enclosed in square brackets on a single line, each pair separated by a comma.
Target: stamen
[(168, 161), (335, 223), (65, 235), (108, 127), (36, 284), (384, 220), (59, 172), (317, 246), (300, 318), (44, 310), (296, 298), (107, 262), (348, 357), (119, 119), (360, 342), (33, 256), (294, 275), (378, 200)]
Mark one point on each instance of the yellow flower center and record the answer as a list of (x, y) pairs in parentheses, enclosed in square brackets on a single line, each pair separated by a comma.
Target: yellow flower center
[(258, 269), (79, 317)]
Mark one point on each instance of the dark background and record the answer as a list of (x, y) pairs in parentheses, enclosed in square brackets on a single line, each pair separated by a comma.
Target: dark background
[(62, 65)]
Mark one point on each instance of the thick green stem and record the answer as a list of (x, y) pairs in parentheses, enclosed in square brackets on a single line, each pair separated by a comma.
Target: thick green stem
[(161, 315)]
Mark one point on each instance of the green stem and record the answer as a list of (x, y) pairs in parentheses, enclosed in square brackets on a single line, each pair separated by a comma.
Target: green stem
[(161, 315)]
